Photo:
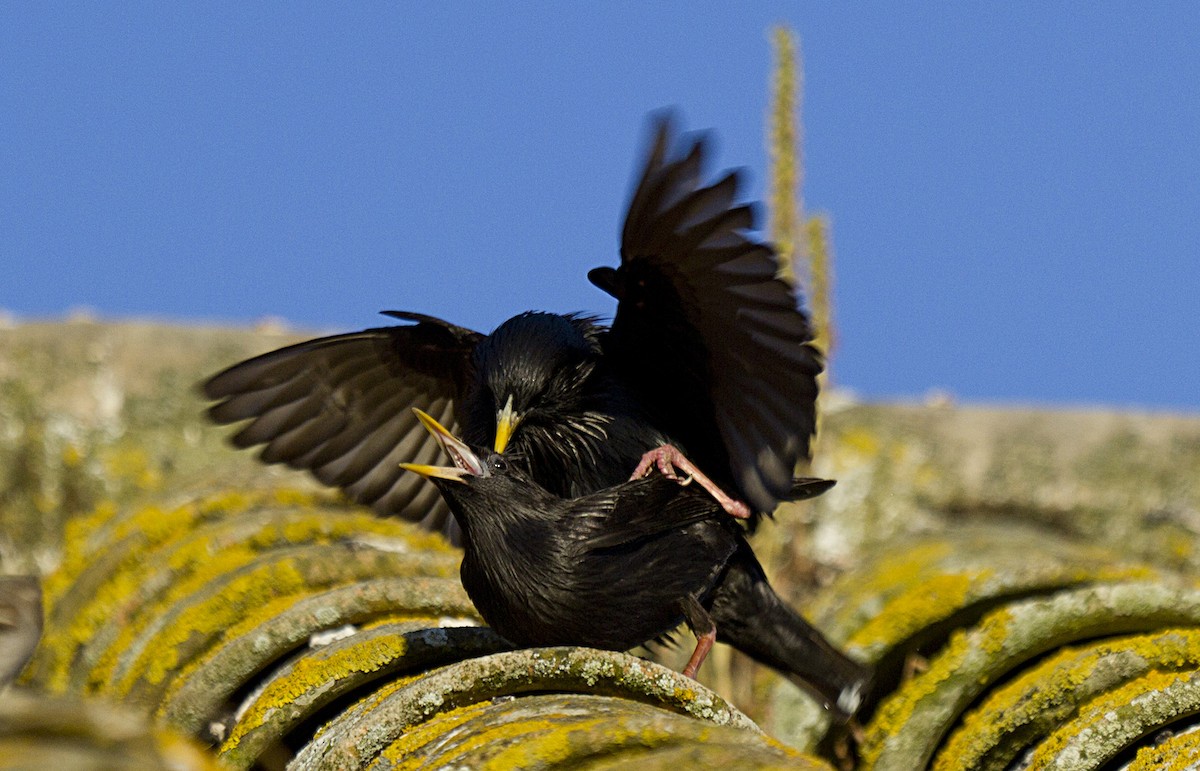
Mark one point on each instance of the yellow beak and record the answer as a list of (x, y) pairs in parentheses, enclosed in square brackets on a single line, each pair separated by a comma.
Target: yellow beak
[(506, 423), (466, 462), (444, 472)]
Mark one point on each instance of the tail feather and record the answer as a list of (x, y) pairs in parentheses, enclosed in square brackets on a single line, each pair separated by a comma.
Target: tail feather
[(751, 617), (804, 488)]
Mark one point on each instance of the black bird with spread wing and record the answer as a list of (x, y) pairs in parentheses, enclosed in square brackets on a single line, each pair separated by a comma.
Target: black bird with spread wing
[(708, 351), (626, 565)]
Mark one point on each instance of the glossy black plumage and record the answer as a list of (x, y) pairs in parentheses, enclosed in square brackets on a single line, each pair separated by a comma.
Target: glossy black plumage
[(707, 349), (625, 565)]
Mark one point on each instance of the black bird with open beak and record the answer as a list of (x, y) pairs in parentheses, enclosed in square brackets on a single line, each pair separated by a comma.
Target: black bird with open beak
[(708, 351), (624, 566)]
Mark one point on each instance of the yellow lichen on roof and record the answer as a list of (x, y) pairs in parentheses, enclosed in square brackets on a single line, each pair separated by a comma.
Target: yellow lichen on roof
[(1105, 709), (270, 610), (536, 740), (1178, 753), (896, 710), (309, 673), (76, 534), (918, 607), (553, 743), (503, 737), (246, 594), (1049, 690), (193, 565), (197, 563), (155, 527), (888, 577), (284, 691), (433, 730), (180, 753), (993, 631), (130, 463)]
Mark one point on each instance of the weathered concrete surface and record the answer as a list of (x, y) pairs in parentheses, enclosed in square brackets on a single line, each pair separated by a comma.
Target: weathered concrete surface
[(108, 413), (93, 412), (910, 724), (1023, 712), (38, 731), (582, 731), (20, 624), (105, 416), (374, 725)]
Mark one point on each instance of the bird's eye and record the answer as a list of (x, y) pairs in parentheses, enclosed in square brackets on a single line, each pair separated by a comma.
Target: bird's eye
[(498, 463)]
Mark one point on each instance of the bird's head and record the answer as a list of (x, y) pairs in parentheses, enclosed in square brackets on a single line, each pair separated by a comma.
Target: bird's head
[(469, 462), (476, 472), (482, 484), (533, 366)]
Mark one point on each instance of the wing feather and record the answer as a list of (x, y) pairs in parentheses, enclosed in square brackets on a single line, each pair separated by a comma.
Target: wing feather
[(714, 343), (339, 407)]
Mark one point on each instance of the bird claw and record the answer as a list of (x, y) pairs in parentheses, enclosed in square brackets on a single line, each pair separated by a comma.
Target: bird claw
[(668, 458), (660, 458), (667, 468)]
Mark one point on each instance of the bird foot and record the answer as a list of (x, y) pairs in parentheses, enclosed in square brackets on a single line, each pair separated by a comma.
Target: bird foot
[(704, 644), (667, 458), (705, 630)]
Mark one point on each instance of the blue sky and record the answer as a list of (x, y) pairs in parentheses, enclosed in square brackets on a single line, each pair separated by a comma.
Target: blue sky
[(1014, 188)]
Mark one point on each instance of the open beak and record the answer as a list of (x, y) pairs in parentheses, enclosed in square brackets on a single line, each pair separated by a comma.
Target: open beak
[(506, 423), (466, 462)]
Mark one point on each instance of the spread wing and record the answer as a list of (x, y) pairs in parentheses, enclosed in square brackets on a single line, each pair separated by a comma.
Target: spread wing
[(340, 407), (713, 342)]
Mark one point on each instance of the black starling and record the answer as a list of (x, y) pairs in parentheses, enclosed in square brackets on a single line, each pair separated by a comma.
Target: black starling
[(708, 351), (626, 565)]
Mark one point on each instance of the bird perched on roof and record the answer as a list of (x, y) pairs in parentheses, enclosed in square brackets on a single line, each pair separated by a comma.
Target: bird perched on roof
[(708, 352), (626, 565)]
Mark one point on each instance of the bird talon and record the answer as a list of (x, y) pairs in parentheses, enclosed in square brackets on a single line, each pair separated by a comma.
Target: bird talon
[(685, 482)]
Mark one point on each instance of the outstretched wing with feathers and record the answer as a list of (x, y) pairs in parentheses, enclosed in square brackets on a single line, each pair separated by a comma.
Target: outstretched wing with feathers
[(713, 341), (340, 407)]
